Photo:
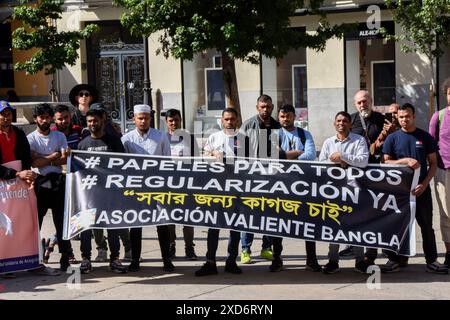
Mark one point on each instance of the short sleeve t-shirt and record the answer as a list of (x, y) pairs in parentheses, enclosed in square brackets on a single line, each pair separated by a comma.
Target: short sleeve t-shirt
[(417, 145), (45, 145), (107, 143)]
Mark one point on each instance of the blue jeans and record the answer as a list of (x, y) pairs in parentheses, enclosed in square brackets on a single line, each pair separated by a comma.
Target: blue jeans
[(213, 243), (247, 240)]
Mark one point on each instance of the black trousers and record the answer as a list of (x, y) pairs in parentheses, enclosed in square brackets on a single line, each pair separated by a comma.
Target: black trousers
[(50, 195), (277, 243), (424, 218), (136, 242)]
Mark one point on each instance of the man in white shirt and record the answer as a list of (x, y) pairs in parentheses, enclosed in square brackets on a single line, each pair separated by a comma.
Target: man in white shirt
[(146, 140), (346, 149), (228, 144), (48, 154), (182, 144)]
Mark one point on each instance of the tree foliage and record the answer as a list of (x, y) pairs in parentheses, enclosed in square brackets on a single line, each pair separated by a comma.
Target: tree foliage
[(239, 28), (54, 49), (422, 23)]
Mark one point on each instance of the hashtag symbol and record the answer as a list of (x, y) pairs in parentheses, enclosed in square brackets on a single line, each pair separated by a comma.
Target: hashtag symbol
[(92, 162), (88, 182)]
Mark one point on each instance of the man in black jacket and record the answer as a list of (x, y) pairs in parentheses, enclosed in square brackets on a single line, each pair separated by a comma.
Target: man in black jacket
[(374, 128)]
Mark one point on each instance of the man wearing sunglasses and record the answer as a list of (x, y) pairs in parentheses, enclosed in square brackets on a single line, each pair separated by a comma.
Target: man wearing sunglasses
[(82, 96)]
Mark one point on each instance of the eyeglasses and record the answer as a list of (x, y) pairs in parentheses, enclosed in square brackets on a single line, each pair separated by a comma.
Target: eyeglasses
[(84, 93)]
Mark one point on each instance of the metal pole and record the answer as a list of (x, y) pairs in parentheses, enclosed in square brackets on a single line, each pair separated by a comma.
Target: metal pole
[(147, 84)]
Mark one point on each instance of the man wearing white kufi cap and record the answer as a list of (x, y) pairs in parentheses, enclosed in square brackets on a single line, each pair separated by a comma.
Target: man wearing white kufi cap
[(142, 108), (146, 140)]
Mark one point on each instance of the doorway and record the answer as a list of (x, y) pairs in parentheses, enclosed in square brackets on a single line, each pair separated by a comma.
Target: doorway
[(116, 69), (119, 78)]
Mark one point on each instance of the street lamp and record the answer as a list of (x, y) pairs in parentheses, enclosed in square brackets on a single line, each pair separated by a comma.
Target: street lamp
[(147, 89)]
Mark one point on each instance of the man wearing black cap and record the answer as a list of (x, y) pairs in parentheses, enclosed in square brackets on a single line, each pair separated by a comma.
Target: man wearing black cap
[(82, 96)]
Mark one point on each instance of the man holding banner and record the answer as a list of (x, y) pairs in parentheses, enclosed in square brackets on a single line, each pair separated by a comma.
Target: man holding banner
[(49, 153), (227, 143), (346, 149), (100, 140), (259, 129), (146, 140), (15, 156), (13, 146), (298, 144), (415, 148)]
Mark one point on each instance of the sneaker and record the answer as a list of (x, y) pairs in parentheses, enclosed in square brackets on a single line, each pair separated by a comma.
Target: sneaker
[(361, 266), (72, 259), (102, 255), (267, 254), (116, 266), (436, 267), (134, 266), (46, 271), (390, 267), (168, 265), (313, 265), (127, 256), (232, 267), (190, 253), (246, 257), (86, 266), (276, 266), (331, 267), (207, 269), (447, 260), (347, 252), (64, 263), (172, 251)]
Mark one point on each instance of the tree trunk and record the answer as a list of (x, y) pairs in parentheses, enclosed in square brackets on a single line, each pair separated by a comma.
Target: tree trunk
[(432, 89), (230, 82), (53, 92)]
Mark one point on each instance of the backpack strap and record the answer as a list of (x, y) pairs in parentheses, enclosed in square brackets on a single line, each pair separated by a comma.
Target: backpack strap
[(301, 135), (441, 117)]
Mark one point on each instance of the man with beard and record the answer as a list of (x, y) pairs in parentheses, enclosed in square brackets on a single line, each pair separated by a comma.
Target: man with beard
[(298, 144), (48, 154), (146, 140), (99, 140), (63, 122), (182, 144), (259, 129), (227, 143), (374, 128)]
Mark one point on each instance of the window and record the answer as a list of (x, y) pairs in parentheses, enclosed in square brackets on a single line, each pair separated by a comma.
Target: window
[(285, 80), (6, 61), (383, 82), (214, 88), (370, 65)]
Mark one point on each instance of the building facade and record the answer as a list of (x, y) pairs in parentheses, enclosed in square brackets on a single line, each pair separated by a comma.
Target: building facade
[(318, 84)]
